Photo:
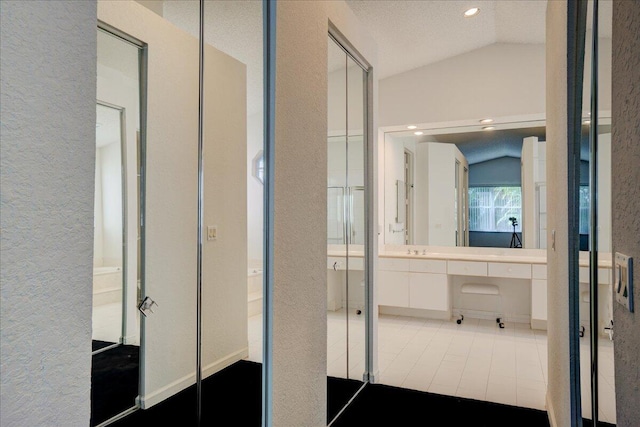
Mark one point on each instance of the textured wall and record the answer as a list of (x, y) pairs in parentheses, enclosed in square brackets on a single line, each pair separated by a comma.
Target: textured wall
[(300, 246), (625, 147), (48, 87), (558, 392)]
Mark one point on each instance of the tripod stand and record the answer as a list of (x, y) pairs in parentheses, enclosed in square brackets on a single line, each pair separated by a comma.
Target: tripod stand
[(515, 240)]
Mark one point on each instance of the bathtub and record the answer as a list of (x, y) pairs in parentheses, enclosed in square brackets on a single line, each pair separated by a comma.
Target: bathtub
[(107, 285)]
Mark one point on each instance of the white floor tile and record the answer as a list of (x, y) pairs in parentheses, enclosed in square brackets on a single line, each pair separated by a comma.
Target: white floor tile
[(476, 360)]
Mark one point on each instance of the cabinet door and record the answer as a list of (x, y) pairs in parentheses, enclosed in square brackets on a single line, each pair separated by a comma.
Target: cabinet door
[(393, 288), (539, 299), (428, 291)]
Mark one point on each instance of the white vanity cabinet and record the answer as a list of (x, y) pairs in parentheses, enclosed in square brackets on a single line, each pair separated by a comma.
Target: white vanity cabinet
[(429, 291), (539, 296), (393, 282), (428, 284)]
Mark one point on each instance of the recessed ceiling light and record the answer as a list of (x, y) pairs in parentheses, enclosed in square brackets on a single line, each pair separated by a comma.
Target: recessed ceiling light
[(488, 127), (471, 12), (411, 127), (417, 133), (484, 121)]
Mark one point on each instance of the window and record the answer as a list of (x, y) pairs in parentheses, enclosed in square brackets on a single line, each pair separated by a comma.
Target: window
[(490, 209)]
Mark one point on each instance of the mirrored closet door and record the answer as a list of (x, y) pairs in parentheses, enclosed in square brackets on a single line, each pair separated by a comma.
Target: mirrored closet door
[(346, 227), (596, 270), (117, 226)]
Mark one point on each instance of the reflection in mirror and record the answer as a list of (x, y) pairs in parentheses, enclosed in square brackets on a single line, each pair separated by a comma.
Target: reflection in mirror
[(231, 329), (503, 177), (597, 346), (345, 228), (116, 321)]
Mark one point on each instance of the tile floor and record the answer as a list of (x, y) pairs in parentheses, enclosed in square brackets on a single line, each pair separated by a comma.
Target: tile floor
[(107, 323), (475, 360)]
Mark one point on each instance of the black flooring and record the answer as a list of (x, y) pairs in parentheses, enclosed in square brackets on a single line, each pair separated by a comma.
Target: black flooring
[(233, 397), (114, 380), (97, 344)]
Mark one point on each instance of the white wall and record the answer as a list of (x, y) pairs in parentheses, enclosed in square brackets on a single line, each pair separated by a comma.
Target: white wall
[(255, 192), (394, 170), (171, 202), (533, 172), (338, 99), (111, 169), (442, 177), (494, 81), (604, 193), (47, 116), (300, 250), (500, 80), (97, 221)]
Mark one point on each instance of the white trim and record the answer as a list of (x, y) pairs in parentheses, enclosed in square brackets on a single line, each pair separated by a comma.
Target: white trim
[(539, 324), (180, 384), (550, 411)]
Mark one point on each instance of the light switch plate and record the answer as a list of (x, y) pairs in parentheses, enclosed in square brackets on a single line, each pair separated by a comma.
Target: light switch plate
[(212, 232), (623, 280)]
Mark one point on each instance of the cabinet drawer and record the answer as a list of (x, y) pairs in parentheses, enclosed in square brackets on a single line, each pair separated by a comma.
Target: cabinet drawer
[(393, 264), (428, 266), (604, 275), (467, 268), (393, 288), (507, 269), (539, 271), (428, 291)]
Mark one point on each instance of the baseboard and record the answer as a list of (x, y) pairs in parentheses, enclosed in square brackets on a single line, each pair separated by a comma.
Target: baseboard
[(414, 312), (131, 340), (550, 412), (157, 396), (220, 364), (333, 305), (539, 324), (146, 401)]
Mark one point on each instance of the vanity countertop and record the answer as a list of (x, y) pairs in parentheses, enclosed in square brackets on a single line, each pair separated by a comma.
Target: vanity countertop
[(507, 258)]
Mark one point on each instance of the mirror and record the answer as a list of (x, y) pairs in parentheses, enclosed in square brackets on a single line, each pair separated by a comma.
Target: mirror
[(466, 183), (346, 332), (202, 255), (469, 180), (117, 244)]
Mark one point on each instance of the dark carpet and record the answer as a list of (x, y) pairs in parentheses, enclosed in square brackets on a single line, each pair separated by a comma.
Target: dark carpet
[(239, 385), (233, 397), (114, 381)]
